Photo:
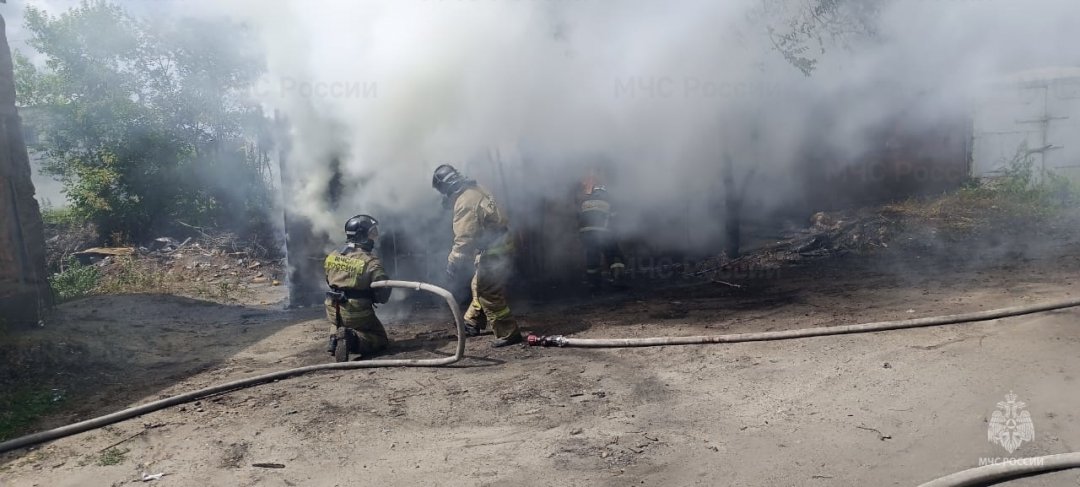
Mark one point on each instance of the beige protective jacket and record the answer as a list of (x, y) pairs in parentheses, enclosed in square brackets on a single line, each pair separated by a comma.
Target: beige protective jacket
[(479, 226)]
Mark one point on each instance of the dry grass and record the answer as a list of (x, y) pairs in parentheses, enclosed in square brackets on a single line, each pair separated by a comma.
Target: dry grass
[(991, 205), (143, 274), (1016, 199), (948, 213), (134, 275)]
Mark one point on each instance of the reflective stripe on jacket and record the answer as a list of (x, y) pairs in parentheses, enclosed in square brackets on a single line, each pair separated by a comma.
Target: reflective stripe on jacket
[(595, 215)]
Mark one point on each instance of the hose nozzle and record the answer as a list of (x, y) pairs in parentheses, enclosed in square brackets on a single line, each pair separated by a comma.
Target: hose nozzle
[(535, 340)]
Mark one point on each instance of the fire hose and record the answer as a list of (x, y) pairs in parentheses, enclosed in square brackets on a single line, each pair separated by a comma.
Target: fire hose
[(992, 474), (976, 476), (562, 341), (186, 397)]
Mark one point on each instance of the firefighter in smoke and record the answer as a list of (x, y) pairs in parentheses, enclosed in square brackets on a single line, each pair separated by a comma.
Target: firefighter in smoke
[(350, 303), (594, 219), (481, 234)]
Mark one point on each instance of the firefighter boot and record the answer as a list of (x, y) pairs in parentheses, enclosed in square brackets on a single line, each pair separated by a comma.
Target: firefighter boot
[(344, 341), (510, 340)]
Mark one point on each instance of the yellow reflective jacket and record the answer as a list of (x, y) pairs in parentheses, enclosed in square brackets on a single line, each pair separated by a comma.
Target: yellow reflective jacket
[(479, 226), (352, 269)]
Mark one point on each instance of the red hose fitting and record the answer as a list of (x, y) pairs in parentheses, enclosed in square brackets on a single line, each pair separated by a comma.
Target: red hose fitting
[(545, 341)]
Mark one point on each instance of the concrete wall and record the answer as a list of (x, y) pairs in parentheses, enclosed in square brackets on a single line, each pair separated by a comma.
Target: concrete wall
[(23, 281), (1039, 109)]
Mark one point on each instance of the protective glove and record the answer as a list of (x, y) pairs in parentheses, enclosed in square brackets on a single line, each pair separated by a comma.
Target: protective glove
[(451, 270)]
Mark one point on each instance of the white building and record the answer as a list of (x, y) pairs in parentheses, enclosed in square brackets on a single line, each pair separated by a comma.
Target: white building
[(1034, 112)]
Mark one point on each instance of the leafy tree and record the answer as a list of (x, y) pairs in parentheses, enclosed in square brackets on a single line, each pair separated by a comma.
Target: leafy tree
[(146, 121), (798, 29)]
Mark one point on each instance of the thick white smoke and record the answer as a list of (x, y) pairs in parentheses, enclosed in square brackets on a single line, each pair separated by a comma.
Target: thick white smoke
[(662, 89)]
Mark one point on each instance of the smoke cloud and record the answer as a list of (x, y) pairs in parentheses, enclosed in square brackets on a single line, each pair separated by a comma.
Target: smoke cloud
[(660, 90)]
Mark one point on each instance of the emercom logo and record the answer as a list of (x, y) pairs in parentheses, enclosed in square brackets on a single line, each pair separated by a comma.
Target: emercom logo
[(1011, 424)]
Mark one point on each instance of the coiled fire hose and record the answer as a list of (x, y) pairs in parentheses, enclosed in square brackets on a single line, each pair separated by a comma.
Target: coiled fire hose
[(976, 476), (186, 397)]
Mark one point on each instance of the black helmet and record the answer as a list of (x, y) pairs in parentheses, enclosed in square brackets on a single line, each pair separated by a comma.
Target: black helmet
[(598, 193), (448, 180), (359, 228)]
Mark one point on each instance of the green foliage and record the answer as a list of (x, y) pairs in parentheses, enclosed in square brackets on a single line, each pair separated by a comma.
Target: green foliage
[(146, 121), (227, 291), (62, 217), (1019, 174), (1061, 191), (112, 456), (1018, 201), (75, 281), (802, 30), (22, 407), (1020, 192)]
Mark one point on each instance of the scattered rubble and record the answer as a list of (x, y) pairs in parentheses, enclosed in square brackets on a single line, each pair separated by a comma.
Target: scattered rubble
[(65, 239), (191, 267), (97, 254), (165, 245), (829, 234)]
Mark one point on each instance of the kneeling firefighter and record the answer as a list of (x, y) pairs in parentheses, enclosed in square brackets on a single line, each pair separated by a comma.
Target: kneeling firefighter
[(481, 233), (350, 303)]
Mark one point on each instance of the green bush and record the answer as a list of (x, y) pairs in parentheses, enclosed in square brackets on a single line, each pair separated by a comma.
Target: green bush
[(59, 216), (76, 280), (147, 121), (1021, 192)]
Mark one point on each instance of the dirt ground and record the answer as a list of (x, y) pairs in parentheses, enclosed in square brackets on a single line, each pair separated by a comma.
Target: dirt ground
[(892, 408)]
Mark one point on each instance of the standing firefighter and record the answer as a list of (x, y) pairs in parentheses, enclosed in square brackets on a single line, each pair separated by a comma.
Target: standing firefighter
[(481, 233), (594, 221), (350, 303)]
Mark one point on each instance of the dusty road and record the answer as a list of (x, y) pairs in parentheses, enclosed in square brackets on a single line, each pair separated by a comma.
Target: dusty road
[(893, 408)]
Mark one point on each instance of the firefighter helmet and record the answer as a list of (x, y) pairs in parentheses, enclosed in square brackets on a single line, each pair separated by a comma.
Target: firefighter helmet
[(361, 228), (448, 180)]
